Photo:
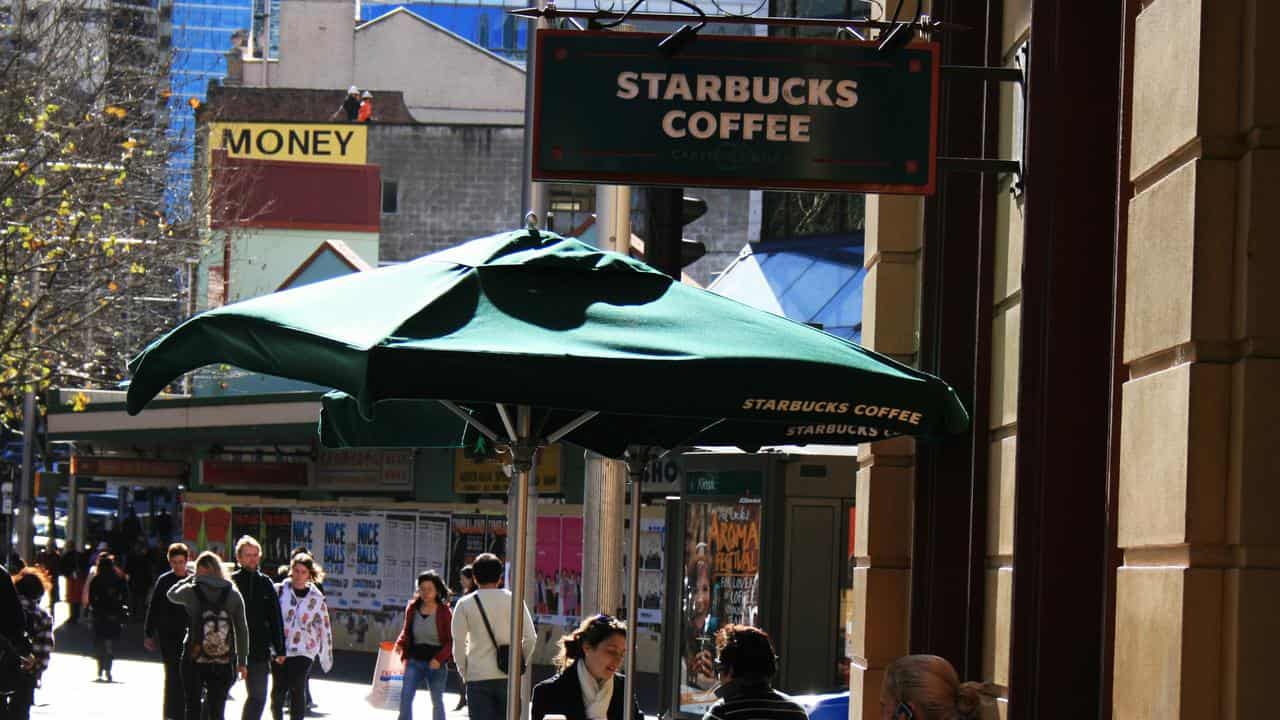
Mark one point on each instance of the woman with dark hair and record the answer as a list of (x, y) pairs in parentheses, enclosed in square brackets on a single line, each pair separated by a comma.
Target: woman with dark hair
[(33, 583), (308, 635), (926, 687), (425, 644), (588, 686), (108, 593)]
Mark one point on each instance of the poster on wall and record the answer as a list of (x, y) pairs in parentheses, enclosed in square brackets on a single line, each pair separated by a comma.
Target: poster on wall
[(365, 591), (571, 568), (466, 541), (307, 532), (245, 521), (207, 527), (277, 538), (431, 545), (652, 550), (495, 536), (398, 570), (721, 574), (546, 571)]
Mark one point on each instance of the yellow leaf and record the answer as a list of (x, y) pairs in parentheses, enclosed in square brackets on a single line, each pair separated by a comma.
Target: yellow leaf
[(115, 111), (112, 286), (79, 402)]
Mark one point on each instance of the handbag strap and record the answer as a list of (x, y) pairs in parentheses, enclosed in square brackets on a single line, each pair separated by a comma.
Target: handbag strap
[(485, 617)]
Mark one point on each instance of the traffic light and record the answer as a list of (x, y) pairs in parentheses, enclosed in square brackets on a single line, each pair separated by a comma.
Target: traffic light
[(477, 447), (667, 212)]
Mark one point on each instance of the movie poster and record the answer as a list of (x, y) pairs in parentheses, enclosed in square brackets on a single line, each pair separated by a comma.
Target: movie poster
[(245, 521), (721, 574), (308, 531), (207, 527), (466, 541), (496, 536), (277, 538), (651, 580), (571, 568), (546, 571)]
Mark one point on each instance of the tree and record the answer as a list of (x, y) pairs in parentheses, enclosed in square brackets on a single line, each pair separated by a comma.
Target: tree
[(93, 262)]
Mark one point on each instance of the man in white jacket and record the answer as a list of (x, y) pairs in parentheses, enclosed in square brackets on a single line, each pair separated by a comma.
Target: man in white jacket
[(475, 646)]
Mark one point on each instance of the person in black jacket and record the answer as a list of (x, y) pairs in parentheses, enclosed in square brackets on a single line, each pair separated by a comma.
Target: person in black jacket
[(588, 686), (745, 665), (166, 627), (13, 623), (108, 598), (266, 627)]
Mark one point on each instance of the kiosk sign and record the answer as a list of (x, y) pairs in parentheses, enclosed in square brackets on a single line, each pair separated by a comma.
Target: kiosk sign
[(758, 112)]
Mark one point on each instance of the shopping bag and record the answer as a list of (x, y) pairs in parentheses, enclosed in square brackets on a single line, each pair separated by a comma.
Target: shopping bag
[(388, 678)]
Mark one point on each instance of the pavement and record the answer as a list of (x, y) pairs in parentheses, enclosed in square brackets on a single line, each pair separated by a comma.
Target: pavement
[(72, 690)]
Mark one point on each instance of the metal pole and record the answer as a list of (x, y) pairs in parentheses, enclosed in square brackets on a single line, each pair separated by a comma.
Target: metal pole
[(26, 488), (535, 196), (635, 474), (523, 452)]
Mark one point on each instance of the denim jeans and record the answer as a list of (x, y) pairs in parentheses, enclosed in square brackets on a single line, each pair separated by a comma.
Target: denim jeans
[(487, 699), (414, 672)]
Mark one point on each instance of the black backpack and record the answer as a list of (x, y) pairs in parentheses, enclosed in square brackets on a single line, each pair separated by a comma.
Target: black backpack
[(212, 638)]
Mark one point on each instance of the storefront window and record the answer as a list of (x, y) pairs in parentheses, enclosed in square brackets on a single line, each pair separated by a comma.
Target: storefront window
[(721, 582)]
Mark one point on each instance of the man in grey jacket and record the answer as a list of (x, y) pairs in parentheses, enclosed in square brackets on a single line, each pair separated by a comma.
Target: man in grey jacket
[(217, 639)]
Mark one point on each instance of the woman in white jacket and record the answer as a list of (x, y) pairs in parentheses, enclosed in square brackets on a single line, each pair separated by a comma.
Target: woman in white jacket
[(308, 635)]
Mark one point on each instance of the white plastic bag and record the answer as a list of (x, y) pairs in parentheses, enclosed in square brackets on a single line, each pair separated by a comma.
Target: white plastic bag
[(388, 678)]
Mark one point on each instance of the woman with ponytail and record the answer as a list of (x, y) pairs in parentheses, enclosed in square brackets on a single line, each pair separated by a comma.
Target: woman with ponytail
[(926, 687), (588, 686)]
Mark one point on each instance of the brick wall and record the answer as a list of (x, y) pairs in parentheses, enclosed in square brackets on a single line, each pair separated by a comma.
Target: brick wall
[(457, 183)]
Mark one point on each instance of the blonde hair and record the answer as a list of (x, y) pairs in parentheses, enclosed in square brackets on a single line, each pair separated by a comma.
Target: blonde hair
[(209, 560), (249, 541), (932, 685)]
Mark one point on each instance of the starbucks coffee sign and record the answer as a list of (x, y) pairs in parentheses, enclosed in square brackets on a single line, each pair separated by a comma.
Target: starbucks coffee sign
[(753, 112)]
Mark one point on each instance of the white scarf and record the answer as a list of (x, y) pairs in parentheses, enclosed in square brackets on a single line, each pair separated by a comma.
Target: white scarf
[(596, 695)]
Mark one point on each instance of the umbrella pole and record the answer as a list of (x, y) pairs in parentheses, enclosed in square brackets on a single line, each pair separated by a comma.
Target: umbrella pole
[(636, 461), (523, 451)]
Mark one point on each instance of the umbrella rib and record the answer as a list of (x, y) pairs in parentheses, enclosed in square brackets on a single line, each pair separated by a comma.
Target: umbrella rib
[(506, 421), (468, 419), (572, 425)]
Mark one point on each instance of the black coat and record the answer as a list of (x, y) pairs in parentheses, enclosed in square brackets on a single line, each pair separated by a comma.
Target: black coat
[(166, 621), (262, 613), (108, 597), (562, 695)]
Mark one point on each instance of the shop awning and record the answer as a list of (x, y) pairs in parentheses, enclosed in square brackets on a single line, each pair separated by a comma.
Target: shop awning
[(816, 280)]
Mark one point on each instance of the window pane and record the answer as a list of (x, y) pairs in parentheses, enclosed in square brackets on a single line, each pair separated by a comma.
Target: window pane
[(390, 196)]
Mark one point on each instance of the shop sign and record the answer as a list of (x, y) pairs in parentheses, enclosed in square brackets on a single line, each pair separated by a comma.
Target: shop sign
[(114, 467), (662, 476), (227, 473), (486, 477), (733, 483), (341, 143), (356, 469), (754, 112)]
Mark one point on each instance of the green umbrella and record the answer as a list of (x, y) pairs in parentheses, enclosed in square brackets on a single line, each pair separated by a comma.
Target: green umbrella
[(584, 344)]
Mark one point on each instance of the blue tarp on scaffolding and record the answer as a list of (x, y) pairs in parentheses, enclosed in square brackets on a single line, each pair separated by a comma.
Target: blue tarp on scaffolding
[(816, 280)]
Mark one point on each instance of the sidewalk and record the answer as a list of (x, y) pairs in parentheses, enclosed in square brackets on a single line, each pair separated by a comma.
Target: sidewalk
[(70, 689)]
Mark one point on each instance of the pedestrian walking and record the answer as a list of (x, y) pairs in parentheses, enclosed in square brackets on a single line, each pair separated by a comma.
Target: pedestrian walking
[(74, 570), (745, 665), (51, 560), (108, 599), (308, 636), (927, 687), (426, 644), (482, 632), (16, 660), (318, 581), (165, 628), (467, 580), (588, 685), (266, 628), (32, 584), (217, 643)]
